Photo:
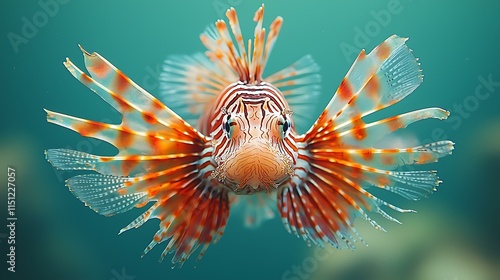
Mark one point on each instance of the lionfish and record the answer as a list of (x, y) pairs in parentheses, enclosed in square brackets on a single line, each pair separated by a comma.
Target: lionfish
[(244, 150)]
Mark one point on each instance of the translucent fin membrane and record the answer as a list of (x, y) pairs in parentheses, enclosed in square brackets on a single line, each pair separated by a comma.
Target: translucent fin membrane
[(300, 84), (386, 75), (117, 165), (107, 195), (256, 208), (337, 162), (190, 83), (397, 77)]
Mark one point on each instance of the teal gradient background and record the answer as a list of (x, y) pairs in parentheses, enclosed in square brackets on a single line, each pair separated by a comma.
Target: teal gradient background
[(454, 235)]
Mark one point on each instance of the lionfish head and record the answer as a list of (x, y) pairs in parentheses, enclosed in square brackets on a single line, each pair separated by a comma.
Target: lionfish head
[(256, 150), (250, 123)]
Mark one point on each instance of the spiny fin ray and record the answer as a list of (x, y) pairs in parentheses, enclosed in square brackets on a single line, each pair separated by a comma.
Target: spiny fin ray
[(248, 65)]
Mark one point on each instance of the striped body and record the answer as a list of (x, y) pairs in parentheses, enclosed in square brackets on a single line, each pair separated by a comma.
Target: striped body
[(225, 137)]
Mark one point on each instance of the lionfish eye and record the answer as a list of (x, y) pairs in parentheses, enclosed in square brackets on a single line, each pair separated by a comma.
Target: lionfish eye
[(285, 126), (227, 124)]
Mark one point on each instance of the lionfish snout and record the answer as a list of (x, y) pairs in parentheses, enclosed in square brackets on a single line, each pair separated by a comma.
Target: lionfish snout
[(257, 165)]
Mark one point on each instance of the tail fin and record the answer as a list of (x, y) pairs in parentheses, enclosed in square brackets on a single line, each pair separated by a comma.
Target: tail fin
[(337, 160), (161, 159)]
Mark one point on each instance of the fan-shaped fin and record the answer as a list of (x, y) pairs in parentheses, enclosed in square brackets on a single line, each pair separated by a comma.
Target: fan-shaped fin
[(161, 159), (337, 162)]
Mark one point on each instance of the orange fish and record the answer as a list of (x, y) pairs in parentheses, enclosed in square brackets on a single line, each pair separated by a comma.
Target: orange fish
[(244, 149)]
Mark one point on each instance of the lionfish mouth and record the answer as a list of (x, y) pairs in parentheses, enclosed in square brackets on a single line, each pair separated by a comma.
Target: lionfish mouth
[(255, 166)]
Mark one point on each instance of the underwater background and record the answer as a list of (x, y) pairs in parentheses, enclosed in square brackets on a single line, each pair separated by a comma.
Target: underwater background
[(454, 235)]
